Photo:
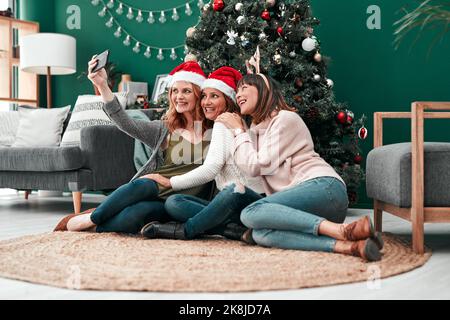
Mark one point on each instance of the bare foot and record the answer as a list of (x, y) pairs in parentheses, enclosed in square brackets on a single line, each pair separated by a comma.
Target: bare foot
[(80, 223)]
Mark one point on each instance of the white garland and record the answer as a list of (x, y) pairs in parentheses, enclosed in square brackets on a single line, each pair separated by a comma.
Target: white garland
[(112, 21)]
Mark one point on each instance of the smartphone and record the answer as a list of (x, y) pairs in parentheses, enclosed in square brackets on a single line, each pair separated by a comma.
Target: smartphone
[(102, 60)]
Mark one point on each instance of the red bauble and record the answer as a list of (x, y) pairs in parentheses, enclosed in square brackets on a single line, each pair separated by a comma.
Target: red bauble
[(349, 119), (341, 117), (218, 5), (280, 31), (265, 15), (358, 159), (362, 133)]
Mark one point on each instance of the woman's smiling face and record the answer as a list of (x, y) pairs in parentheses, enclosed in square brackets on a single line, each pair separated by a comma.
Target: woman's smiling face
[(183, 97), (247, 97), (213, 103)]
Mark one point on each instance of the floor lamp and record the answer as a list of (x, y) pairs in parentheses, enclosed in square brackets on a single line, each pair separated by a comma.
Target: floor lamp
[(48, 54)]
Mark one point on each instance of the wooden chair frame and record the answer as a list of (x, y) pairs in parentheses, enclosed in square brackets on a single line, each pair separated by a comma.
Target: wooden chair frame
[(417, 214)]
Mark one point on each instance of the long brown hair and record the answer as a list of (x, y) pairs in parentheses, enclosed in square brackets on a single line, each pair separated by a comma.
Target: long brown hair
[(174, 120), (269, 99)]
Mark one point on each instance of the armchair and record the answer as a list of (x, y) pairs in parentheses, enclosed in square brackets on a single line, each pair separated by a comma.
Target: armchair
[(411, 180)]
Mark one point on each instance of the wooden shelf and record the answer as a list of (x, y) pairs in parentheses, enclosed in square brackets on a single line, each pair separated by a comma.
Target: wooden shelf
[(11, 30)]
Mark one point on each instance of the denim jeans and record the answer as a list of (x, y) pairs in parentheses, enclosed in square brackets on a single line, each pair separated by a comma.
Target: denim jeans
[(130, 207), (201, 216), (290, 219)]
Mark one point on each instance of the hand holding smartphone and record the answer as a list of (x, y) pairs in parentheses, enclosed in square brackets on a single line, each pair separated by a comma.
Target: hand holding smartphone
[(102, 61)]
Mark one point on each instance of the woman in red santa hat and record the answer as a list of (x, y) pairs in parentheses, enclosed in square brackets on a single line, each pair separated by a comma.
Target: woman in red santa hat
[(178, 147), (195, 216)]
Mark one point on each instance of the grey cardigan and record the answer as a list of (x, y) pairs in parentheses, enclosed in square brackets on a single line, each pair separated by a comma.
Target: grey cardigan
[(151, 133)]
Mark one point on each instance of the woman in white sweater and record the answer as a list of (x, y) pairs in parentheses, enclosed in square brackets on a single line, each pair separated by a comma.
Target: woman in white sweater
[(196, 215)]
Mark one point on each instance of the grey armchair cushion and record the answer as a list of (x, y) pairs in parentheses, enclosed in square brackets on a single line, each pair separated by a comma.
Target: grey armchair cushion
[(43, 159), (388, 174)]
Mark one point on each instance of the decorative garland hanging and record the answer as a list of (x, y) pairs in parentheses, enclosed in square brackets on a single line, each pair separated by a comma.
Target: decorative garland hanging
[(112, 21), (131, 11)]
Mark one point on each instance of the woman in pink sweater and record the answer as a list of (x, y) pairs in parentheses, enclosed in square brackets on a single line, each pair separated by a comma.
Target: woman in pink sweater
[(306, 201)]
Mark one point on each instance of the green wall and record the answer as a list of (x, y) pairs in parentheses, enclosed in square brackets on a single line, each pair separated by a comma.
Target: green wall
[(368, 73)]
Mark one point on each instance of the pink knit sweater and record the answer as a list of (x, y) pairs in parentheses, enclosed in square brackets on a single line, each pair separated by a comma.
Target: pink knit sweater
[(281, 151)]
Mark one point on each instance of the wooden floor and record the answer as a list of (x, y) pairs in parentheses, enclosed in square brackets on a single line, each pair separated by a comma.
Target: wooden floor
[(19, 217)]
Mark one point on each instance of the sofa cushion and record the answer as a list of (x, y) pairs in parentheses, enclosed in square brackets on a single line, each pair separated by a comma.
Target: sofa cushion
[(9, 122), (40, 159), (388, 174), (88, 111)]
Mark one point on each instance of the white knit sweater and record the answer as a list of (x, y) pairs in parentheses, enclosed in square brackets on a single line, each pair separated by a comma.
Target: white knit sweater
[(219, 165)]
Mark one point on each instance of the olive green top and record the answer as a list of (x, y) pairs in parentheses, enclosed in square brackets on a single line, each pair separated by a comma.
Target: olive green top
[(180, 157)]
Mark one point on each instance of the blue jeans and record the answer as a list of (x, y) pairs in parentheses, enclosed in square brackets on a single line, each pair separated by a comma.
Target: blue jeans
[(130, 207), (290, 219), (201, 216)]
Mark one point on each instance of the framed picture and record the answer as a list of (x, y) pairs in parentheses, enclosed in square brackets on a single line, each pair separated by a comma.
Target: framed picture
[(160, 86)]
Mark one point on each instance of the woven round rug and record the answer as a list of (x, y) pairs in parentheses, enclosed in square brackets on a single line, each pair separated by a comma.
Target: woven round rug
[(119, 262)]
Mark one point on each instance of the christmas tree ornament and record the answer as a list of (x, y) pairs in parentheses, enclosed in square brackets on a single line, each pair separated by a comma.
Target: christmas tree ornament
[(160, 55), (119, 10), (139, 17), (130, 14), (238, 7), (102, 13), (175, 16), (118, 32), (298, 99), (137, 48), (151, 18), (110, 22), (188, 10), (298, 83), (318, 57), (265, 15), (350, 117), (127, 41), (218, 5), (190, 32), (270, 3), (282, 9), (277, 58), (330, 83), (241, 20), (292, 54), (362, 133), (200, 4), (231, 37), (309, 44), (148, 53), (341, 117), (162, 17), (110, 4), (190, 57), (280, 31), (317, 77), (262, 36), (206, 7), (95, 2), (173, 54), (358, 159)]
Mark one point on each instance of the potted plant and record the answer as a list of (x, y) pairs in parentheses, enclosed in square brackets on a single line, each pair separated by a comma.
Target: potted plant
[(114, 75), (429, 15)]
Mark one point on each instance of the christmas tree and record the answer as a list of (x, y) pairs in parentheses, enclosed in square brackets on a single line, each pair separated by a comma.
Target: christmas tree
[(230, 31)]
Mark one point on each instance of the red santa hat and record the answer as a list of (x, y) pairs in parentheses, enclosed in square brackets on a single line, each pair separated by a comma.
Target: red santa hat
[(224, 79), (189, 71)]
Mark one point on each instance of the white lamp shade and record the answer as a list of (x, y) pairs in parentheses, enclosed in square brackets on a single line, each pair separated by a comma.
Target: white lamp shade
[(41, 50)]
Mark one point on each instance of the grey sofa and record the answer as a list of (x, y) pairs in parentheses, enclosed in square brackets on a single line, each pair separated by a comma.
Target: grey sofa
[(411, 180), (102, 162)]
